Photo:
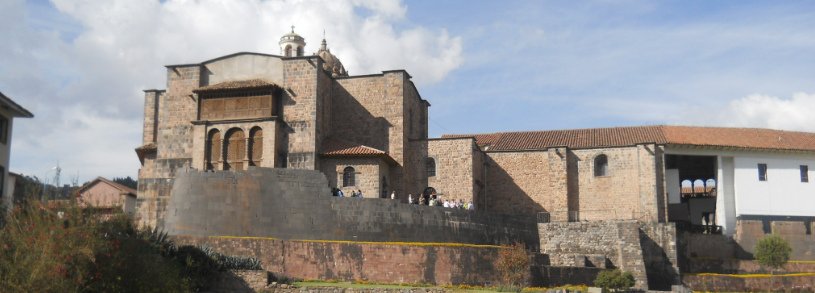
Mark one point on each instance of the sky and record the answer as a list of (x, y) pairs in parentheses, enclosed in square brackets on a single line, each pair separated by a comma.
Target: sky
[(485, 66)]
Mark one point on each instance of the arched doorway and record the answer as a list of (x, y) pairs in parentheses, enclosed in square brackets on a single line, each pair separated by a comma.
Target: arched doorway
[(255, 146), (234, 149), (213, 149)]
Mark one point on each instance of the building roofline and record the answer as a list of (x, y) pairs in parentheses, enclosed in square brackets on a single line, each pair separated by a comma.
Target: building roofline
[(16, 109)]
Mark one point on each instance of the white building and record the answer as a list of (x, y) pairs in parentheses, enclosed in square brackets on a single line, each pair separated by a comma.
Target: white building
[(748, 174), (8, 110)]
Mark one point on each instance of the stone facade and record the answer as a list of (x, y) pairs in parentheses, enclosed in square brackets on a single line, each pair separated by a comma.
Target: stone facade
[(309, 106), (384, 263), (296, 204), (648, 251)]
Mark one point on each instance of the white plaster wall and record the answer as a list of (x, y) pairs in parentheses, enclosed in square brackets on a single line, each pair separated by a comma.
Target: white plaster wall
[(783, 193), (5, 153), (674, 187), (242, 67), (740, 193)]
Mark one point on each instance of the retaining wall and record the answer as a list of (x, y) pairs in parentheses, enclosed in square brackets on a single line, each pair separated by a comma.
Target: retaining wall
[(297, 204), (386, 263)]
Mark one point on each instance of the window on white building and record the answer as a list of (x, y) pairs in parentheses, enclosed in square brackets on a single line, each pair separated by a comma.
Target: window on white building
[(762, 172), (804, 173)]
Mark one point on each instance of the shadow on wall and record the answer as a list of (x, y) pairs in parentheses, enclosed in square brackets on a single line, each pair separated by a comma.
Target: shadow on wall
[(661, 274), (505, 196), (355, 122)]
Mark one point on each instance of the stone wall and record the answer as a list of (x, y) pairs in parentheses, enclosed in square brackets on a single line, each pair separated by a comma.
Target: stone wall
[(300, 110), (752, 284), (454, 160), (618, 241), (297, 204), (518, 182), (660, 254), (734, 266), (388, 263), (627, 192), (748, 234), (550, 276), (368, 174)]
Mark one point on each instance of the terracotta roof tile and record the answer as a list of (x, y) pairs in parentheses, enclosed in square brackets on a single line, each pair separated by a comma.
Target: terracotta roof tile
[(740, 137), (333, 147), (626, 136), (237, 84)]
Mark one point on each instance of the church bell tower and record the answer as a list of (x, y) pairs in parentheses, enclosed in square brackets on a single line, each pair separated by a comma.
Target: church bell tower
[(292, 44)]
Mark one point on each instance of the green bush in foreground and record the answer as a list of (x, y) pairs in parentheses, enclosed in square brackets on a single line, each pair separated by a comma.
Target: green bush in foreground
[(70, 249), (614, 279), (773, 252)]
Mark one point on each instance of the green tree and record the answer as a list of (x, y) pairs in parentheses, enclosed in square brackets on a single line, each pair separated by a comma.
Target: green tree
[(513, 263), (614, 280), (773, 252), (127, 181)]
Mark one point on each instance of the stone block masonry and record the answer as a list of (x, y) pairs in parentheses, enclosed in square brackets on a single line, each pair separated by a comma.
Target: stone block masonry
[(384, 263), (628, 245), (297, 204)]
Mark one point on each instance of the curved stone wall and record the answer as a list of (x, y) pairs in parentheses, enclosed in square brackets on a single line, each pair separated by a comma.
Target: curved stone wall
[(297, 204)]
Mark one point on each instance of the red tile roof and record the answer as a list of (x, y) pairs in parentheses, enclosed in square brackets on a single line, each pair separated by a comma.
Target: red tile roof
[(754, 138), (333, 147), (237, 84)]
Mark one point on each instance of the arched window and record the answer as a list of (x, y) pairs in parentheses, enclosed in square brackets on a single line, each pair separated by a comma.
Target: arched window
[(234, 149), (255, 146), (213, 148), (299, 51), (288, 51), (601, 165), (431, 167), (348, 177)]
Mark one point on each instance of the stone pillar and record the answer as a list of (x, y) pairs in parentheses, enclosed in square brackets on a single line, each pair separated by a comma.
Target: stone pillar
[(151, 98), (558, 182)]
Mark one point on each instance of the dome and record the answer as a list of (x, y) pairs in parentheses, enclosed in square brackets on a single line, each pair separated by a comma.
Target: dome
[(291, 37), (332, 63)]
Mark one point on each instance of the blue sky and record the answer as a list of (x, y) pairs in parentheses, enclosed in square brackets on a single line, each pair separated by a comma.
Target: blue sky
[(485, 66)]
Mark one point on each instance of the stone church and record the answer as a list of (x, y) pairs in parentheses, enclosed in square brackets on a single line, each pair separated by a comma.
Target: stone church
[(369, 133), (252, 145)]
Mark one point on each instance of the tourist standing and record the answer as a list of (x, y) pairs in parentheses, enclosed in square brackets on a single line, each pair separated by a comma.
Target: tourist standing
[(410, 198)]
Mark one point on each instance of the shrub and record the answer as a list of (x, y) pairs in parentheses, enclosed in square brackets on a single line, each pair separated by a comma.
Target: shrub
[(70, 249), (200, 269), (614, 279), (773, 252), (512, 263)]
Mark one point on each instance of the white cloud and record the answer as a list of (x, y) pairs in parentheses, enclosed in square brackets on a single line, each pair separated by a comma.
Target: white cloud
[(91, 76), (756, 110)]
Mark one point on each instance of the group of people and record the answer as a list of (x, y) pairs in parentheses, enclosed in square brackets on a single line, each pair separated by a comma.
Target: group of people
[(338, 192), (425, 199), (432, 200)]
